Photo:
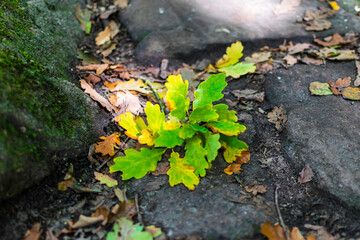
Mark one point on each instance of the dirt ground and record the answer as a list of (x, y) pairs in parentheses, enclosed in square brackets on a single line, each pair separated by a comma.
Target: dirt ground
[(299, 204)]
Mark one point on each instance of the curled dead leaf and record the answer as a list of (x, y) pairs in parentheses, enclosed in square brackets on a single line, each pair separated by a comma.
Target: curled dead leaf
[(338, 86), (334, 40), (106, 147), (34, 233), (232, 168), (278, 117), (305, 175), (256, 189)]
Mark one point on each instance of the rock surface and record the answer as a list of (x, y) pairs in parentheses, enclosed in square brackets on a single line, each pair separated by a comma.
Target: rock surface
[(176, 29), (44, 117), (322, 131)]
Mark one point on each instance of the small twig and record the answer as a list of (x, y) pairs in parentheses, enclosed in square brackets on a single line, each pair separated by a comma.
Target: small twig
[(199, 75), (138, 209), (162, 106), (282, 224)]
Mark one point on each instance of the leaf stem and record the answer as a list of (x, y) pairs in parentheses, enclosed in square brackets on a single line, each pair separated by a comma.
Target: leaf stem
[(162, 106)]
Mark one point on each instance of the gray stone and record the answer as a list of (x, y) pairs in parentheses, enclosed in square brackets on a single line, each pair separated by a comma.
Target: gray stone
[(44, 118), (173, 29), (322, 131)]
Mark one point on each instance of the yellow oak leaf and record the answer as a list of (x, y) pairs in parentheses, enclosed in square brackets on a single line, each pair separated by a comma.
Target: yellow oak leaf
[(133, 125), (147, 137), (106, 147), (155, 118), (232, 168), (232, 56), (170, 125)]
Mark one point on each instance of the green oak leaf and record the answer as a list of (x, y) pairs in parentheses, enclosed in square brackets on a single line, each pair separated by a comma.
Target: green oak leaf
[(226, 127), (137, 164), (210, 90), (195, 155), (233, 147), (224, 114), (212, 146), (176, 100), (203, 114), (128, 230), (180, 172), (318, 88), (155, 118), (187, 131), (199, 128), (238, 69), (169, 138)]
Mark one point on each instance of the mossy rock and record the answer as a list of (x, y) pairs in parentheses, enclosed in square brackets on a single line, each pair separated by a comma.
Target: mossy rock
[(45, 118)]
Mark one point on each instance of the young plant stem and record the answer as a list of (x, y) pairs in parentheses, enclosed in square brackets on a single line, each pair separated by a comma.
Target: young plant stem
[(282, 224), (149, 83)]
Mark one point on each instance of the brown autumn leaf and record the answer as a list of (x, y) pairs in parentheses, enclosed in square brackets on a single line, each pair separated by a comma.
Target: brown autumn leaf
[(338, 86), (107, 34), (50, 235), (85, 221), (99, 68), (106, 147), (97, 97), (351, 93), (34, 233), (290, 60), (314, 61), (249, 94), (112, 9), (258, 57), (131, 85), (316, 21), (299, 47), (276, 232), (278, 117), (256, 189), (232, 168), (93, 79), (161, 168), (243, 157), (305, 175), (126, 208), (106, 52), (345, 54), (334, 40), (357, 80), (69, 179), (263, 68), (102, 212), (121, 3)]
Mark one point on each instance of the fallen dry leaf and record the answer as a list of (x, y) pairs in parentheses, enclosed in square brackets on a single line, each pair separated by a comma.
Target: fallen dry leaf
[(286, 6), (258, 57), (276, 232), (131, 85), (161, 168), (99, 68), (50, 235), (102, 212), (105, 179), (244, 157), (106, 52), (232, 168), (112, 9), (279, 117), (334, 5), (96, 96), (334, 40), (126, 209), (154, 231), (126, 101), (357, 80), (107, 34), (299, 47), (119, 194), (345, 54), (314, 61), (320, 89), (351, 93), (93, 79), (121, 3), (320, 232), (86, 221), (263, 68), (106, 147), (316, 21), (338, 86), (256, 189), (305, 175), (34, 233), (249, 94), (290, 60), (83, 15)]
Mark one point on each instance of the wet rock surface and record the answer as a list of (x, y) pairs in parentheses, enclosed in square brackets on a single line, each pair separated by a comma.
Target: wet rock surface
[(322, 131), (174, 29)]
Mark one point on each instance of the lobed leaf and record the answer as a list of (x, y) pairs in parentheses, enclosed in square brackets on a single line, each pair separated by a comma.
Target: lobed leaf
[(137, 164), (187, 131), (224, 114), (232, 56), (169, 138), (155, 118), (106, 147), (226, 127), (238, 69), (234, 148), (180, 172), (176, 100), (210, 90), (133, 125), (147, 137), (195, 155), (105, 179), (203, 114), (212, 146)]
